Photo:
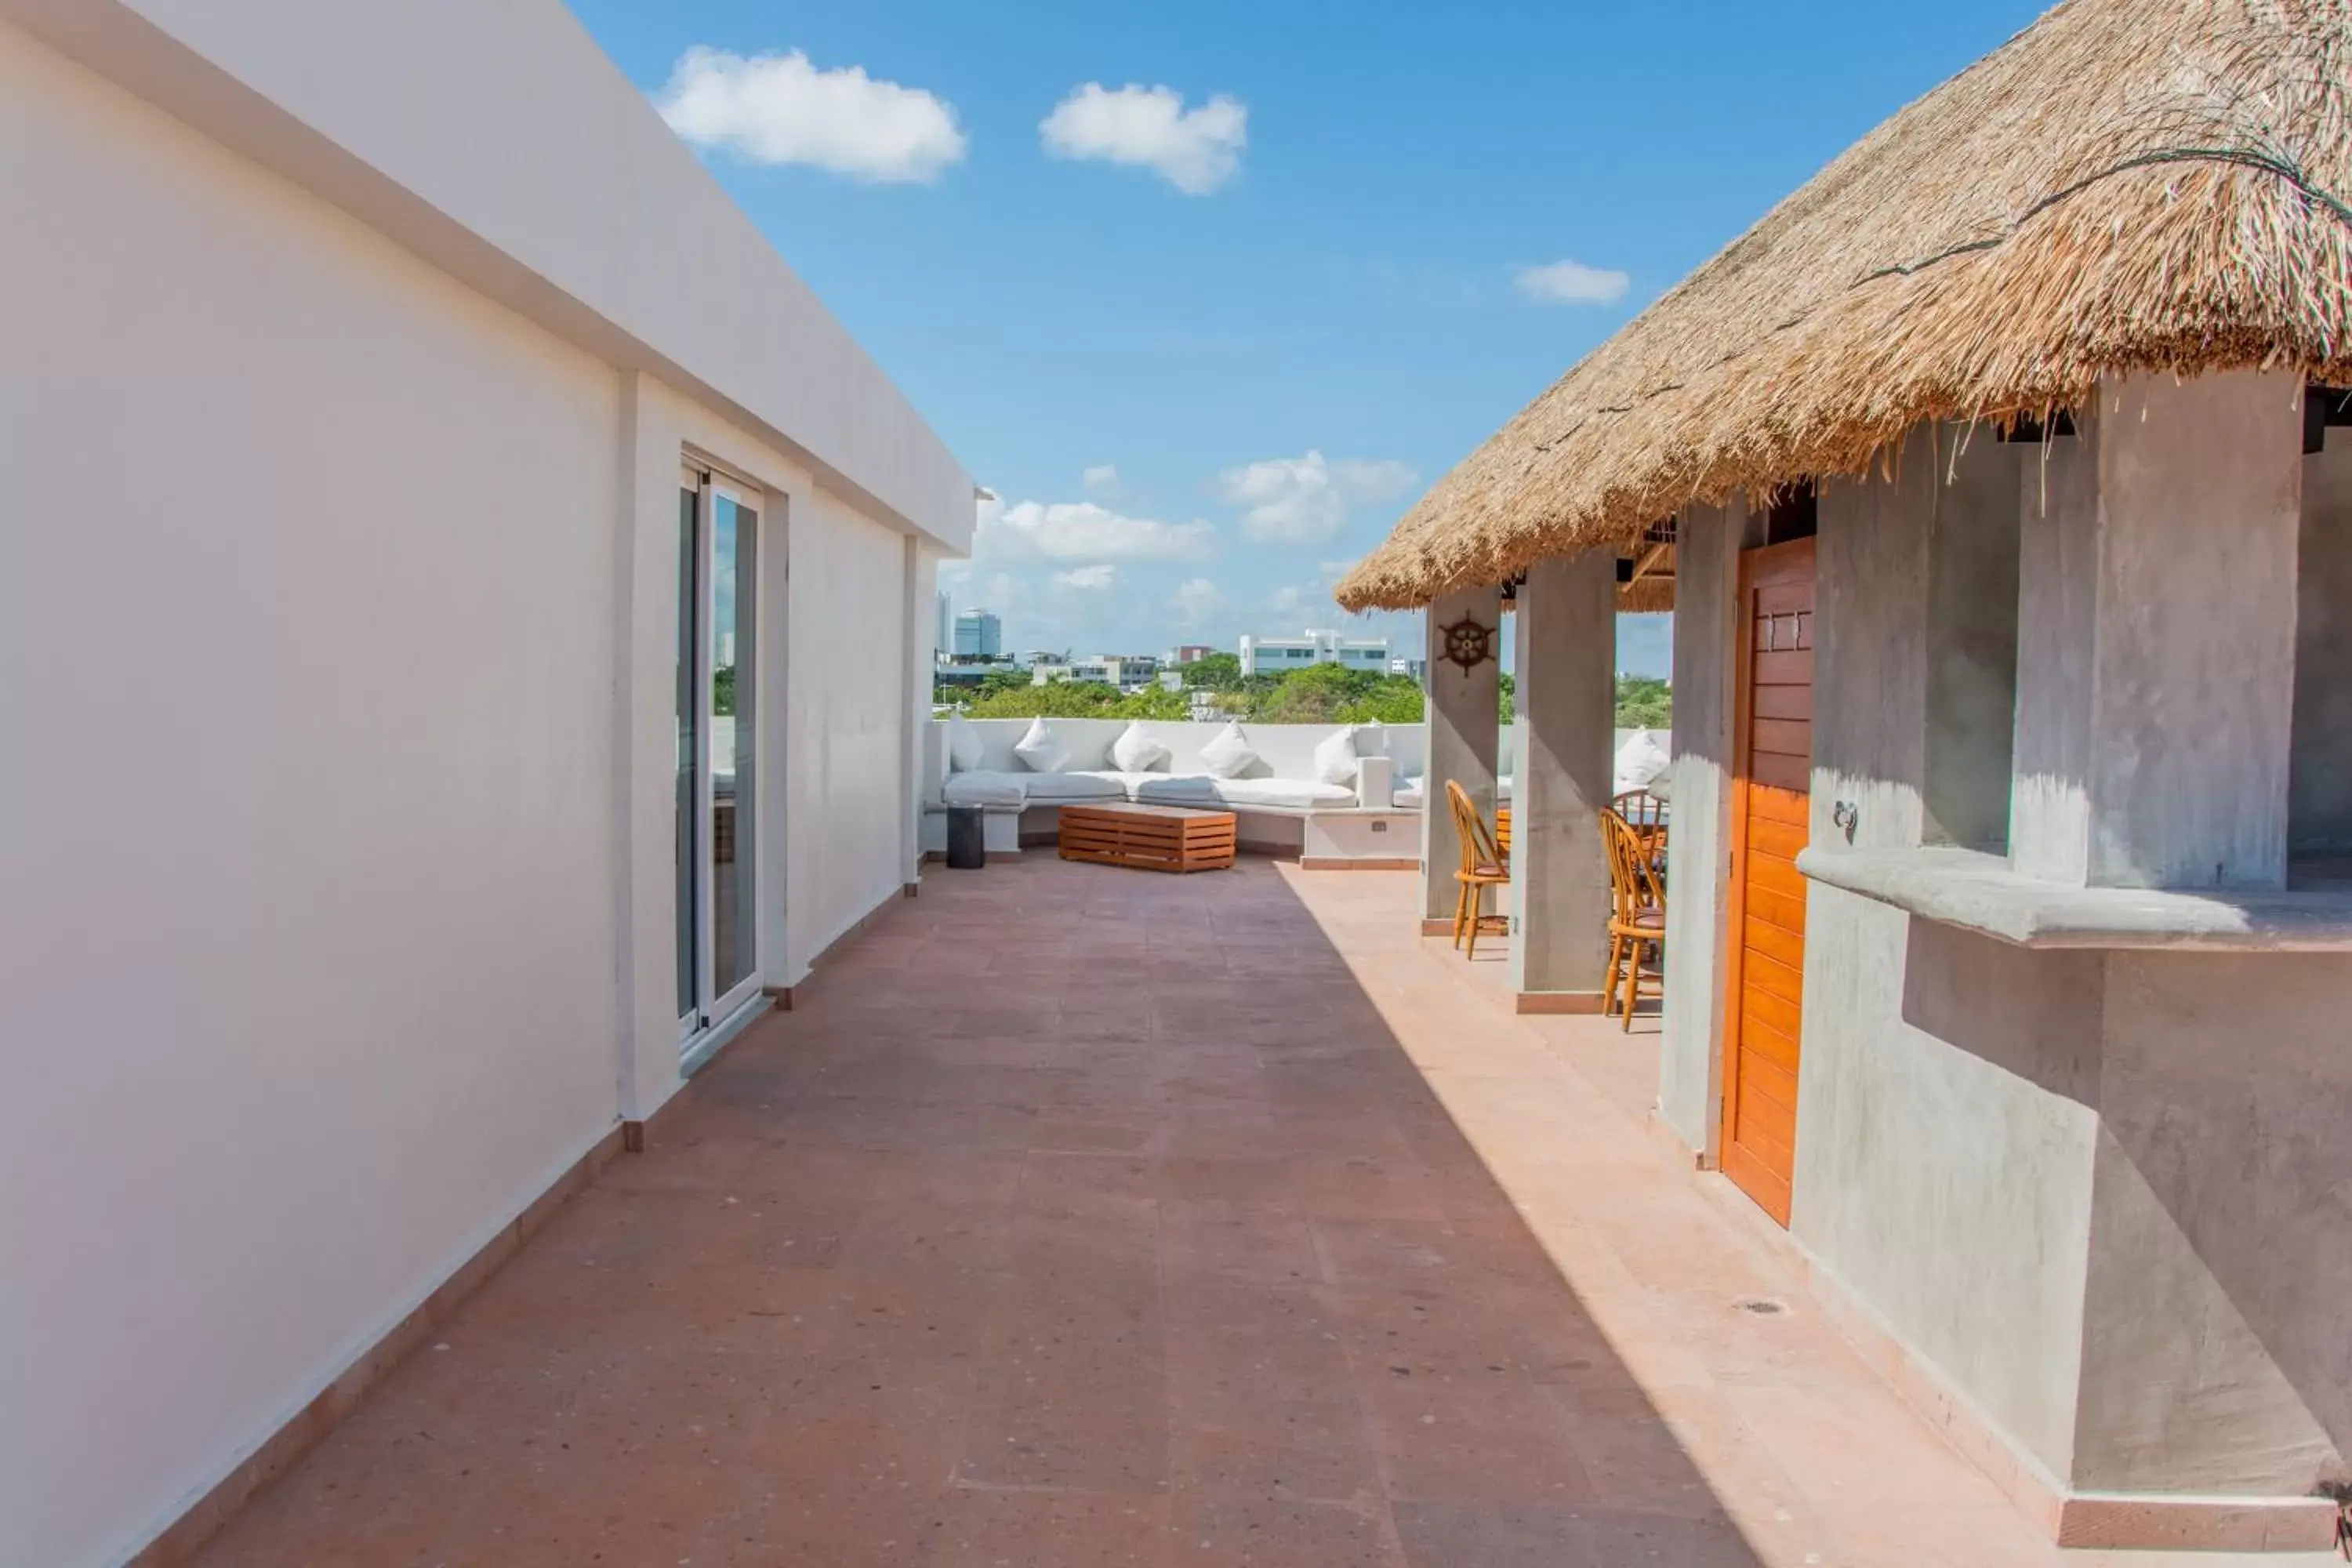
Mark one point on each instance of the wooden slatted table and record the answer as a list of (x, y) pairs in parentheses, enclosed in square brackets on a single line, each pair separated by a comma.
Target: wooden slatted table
[(1149, 837)]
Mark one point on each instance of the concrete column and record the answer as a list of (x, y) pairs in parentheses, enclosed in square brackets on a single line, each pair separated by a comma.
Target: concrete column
[(1564, 640), (2156, 614), (644, 692), (1464, 725), (1706, 621)]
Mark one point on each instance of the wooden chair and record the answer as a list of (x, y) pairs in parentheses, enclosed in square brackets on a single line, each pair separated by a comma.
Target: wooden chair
[(1637, 910), (1645, 813), (1483, 866)]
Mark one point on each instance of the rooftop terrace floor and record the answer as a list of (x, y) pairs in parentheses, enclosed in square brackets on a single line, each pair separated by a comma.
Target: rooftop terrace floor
[(1087, 1216)]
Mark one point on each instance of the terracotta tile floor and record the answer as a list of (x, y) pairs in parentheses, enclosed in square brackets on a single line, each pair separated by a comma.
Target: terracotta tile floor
[(1083, 1216)]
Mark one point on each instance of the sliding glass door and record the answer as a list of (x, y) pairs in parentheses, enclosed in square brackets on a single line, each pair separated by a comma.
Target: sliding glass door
[(717, 818)]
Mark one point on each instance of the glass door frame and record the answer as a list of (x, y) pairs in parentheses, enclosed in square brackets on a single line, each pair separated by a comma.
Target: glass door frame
[(713, 1009)]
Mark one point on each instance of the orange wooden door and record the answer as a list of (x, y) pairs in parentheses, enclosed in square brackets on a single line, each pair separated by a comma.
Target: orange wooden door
[(1770, 797)]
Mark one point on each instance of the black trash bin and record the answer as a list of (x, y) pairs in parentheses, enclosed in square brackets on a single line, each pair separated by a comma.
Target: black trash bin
[(967, 839)]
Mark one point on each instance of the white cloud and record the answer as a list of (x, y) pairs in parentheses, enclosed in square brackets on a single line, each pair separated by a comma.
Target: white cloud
[(1197, 600), (780, 109), (1081, 530), (1102, 479), (1088, 579), (1305, 500), (1571, 283), (1196, 150)]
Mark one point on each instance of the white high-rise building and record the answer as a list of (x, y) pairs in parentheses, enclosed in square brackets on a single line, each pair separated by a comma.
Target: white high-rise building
[(943, 638)]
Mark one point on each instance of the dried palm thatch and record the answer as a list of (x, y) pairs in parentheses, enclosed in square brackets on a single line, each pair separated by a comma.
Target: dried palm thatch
[(1648, 595), (2127, 185)]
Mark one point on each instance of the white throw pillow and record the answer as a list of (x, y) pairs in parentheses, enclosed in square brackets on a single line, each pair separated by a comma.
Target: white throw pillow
[(1335, 758), (1228, 756), (1042, 750), (1640, 760), (1136, 753), (964, 751)]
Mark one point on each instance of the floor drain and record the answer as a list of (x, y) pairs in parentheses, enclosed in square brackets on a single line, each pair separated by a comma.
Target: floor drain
[(1762, 1307)]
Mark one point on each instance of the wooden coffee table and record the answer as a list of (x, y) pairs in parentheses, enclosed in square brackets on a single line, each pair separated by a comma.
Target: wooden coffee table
[(1149, 837)]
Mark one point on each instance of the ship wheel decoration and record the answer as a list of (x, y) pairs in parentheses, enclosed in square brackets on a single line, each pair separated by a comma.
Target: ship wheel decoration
[(1468, 644)]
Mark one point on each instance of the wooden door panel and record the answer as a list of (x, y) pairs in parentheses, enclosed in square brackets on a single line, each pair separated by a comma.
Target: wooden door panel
[(1774, 875), (1774, 977), (1781, 840), (1784, 946), (1771, 810), (1761, 1035), (1768, 1186), (1765, 1117), (1787, 913), (1782, 1014), (1794, 807)]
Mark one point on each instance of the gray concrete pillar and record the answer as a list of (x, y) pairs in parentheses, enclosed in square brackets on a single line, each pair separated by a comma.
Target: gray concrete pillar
[(1465, 726), (1564, 642), (2156, 618), (1706, 623)]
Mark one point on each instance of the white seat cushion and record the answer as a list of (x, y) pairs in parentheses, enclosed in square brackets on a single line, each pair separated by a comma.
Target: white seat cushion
[(985, 788), (1128, 783), (1297, 794), (1062, 789), (1291, 795), (1177, 789)]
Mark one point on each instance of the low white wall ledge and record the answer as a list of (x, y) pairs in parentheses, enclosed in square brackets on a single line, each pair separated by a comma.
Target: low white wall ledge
[(1977, 891)]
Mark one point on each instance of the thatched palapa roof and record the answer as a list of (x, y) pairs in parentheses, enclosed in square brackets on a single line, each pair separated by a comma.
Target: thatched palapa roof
[(2127, 185)]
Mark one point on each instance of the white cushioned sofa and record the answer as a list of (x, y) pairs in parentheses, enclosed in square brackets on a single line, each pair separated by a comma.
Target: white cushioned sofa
[(1276, 797)]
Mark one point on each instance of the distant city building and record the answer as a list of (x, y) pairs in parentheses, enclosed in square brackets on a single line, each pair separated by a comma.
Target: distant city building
[(1279, 656), (978, 633), (943, 639), (1128, 672), (969, 672), (1191, 653)]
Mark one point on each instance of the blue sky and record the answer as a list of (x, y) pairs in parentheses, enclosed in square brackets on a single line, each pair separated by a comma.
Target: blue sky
[(1270, 306)]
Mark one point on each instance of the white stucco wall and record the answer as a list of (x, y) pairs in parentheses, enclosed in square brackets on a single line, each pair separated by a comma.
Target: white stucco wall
[(849, 694), (306, 970), (338, 607)]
